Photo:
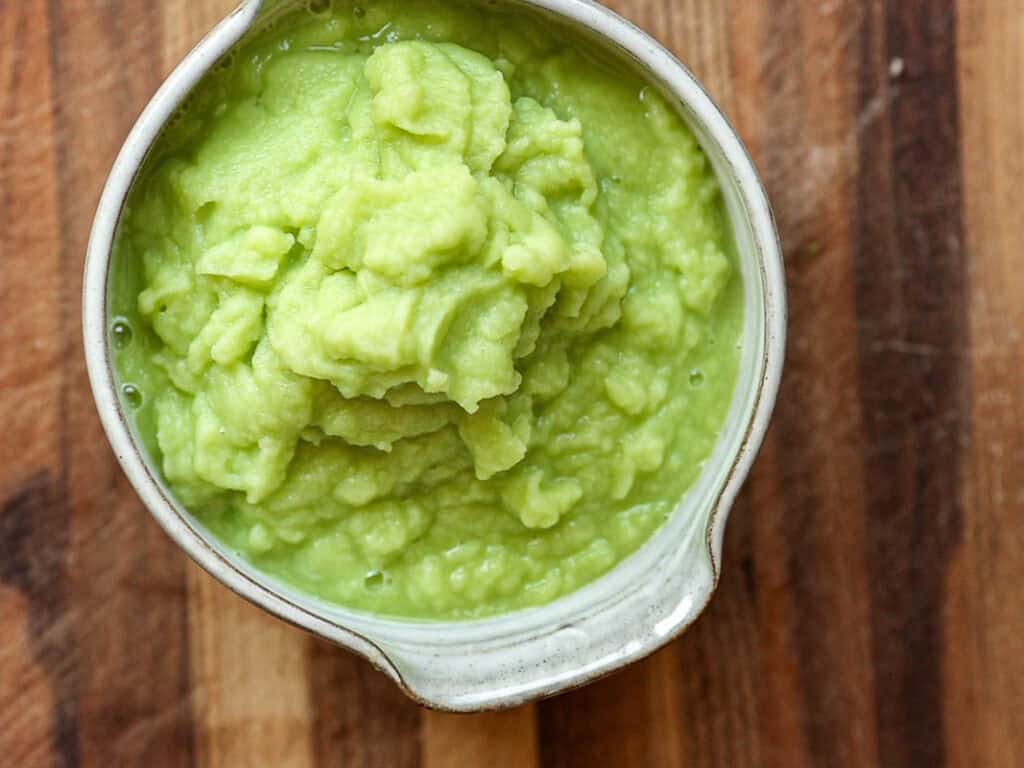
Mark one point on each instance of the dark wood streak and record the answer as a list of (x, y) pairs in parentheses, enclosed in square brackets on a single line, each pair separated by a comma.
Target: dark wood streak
[(605, 723), (914, 380), (361, 718), (34, 542)]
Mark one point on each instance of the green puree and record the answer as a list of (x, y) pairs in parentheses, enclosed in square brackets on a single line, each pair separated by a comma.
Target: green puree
[(431, 308)]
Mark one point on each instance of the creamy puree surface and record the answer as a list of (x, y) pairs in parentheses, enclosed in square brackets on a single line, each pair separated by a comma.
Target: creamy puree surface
[(431, 309)]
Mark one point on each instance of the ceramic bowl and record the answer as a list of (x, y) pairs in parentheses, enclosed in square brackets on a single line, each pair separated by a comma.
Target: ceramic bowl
[(639, 606)]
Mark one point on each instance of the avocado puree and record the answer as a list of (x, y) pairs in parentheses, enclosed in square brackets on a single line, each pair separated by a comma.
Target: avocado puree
[(427, 309)]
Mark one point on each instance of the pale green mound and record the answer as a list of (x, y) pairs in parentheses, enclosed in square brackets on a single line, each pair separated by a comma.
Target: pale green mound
[(433, 313)]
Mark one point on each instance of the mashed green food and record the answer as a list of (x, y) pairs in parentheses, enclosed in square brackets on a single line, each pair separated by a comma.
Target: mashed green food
[(430, 309)]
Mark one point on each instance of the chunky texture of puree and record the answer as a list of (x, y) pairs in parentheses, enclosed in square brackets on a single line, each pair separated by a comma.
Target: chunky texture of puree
[(426, 309)]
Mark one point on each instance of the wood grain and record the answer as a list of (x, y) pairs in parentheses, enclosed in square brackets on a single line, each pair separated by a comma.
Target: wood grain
[(38, 707), (984, 663), (249, 677), (869, 612), (125, 579), (915, 387)]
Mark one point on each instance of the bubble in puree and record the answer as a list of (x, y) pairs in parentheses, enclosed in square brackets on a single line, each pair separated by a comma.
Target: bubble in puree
[(427, 310)]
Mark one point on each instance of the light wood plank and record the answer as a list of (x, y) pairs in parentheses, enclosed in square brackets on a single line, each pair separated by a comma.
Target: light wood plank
[(984, 665), (249, 672), (25, 729), (185, 24), (495, 739)]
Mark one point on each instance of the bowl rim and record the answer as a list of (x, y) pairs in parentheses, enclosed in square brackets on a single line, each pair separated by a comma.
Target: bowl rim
[(611, 28)]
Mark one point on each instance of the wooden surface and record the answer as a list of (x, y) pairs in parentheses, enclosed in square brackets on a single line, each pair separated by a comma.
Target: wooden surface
[(872, 608)]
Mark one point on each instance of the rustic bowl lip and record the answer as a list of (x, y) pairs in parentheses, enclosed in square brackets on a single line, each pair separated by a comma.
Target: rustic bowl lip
[(612, 29)]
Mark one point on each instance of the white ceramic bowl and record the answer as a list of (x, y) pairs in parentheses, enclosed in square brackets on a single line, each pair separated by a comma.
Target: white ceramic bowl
[(650, 597)]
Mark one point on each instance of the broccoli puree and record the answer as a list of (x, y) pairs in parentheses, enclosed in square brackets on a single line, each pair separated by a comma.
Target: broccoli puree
[(426, 309)]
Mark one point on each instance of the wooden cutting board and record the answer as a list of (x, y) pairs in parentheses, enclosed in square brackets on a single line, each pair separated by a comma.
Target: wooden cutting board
[(872, 607)]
